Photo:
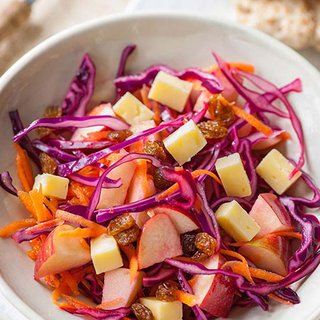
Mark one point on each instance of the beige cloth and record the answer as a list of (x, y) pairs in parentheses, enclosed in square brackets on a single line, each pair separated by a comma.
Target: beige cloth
[(49, 17)]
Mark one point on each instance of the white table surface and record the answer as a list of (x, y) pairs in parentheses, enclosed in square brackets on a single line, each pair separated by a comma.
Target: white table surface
[(44, 24)]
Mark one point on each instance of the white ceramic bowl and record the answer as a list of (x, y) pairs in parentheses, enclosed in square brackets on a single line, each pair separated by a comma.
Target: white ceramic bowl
[(42, 76)]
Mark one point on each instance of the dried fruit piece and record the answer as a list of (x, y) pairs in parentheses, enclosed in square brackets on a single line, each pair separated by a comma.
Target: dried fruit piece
[(142, 312), (48, 165), (188, 246), (199, 256), (205, 243), (119, 136), (120, 224), (50, 112), (220, 110), (159, 181), (167, 291), (155, 148), (128, 236), (212, 129)]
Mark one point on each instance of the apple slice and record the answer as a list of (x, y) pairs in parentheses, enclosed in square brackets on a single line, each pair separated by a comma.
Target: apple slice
[(125, 172), (269, 253), (269, 213), (59, 254), (159, 240), (104, 109), (215, 292), (183, 221), (118, 287)]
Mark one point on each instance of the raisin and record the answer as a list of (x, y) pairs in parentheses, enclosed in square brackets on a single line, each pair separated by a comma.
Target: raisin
[(167, 291), (155, 148), (120, 224), (188, 246), (119, 136), (48, 165), (199, 256), (212, 129), (142, 312), (205, 243), (220, 110), (128, 236), (159, 181), (50, 112)]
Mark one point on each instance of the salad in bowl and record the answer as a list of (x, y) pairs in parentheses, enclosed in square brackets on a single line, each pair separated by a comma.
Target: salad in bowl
[(172, 201)]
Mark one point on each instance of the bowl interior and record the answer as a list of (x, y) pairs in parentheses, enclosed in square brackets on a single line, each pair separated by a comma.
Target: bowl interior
[(41, 78)]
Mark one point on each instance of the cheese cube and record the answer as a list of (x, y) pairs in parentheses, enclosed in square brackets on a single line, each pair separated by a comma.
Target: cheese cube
[(275, 170), (131, 109), (233, 176), (235, 221), (143, 125), (185, 142), (170, 90), (105, 254), (163, 310), (52, 186)]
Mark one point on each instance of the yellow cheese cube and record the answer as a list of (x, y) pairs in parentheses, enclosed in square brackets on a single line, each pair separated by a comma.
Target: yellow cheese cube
[(131, 109), (170, 90), (143, 125), (185, 142), (233, 176), (52, 186), (235, 221), (105, 254), (275, 170), (163, 310)]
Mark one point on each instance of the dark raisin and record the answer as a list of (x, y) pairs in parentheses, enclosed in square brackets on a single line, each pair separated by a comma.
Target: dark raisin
[(159, 181), (48, 165), (142, 312), (128, 236), (119, 136), (120, 224), (167, 291), (205, 243), (188, 246), (155, 148), (212, 129)]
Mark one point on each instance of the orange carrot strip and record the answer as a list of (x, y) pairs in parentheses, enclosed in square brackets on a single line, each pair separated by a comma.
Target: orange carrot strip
[(13, 227), (153, 105), (71, 282), (84, 244), (242, 66), (52, 281), (82, 233), (36, 245), (51, 204), (265, 275), (24, 169), (200, 172), (25, 199), (111, 303), (241, 258), (76, 303), (252, 120), (186, 298), (289, 234), (41, 211), (278, 299), (239, 268), (130, 252)]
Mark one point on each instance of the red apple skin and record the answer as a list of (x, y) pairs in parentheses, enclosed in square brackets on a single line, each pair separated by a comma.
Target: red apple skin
[(59, 254), (183, 221), (159, 240), (117, 284), (216, 292), (269, 253), (270, 215)]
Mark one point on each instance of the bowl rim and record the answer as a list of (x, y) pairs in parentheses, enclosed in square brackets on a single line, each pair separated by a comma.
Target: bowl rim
[(6, 291)]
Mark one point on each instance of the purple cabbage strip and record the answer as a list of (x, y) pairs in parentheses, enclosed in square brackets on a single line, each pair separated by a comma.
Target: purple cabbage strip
[(6, 183), (81, 89), (134, 82), (258, 136), (126, 52), (95, 290), (197, 117), (186, 288), (259, 300), (53, 151), (68, 168), (25, 142), (161, 276), (75, 145), (66, 122), (76, 209), (288, 294), (92, 182)]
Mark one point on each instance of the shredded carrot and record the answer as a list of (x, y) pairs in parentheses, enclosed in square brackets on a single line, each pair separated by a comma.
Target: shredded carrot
[(36, 245), (264, 275), (82, 193), (110, 304), (24, 169), (51, 204), (186, 298), (200, 172), (256, 123), (289, 234), (62, 290), (37, 198), (278, 299), (25, 199), (238, 65), (84, 244), (52, 281), (76, 303), (153, 105), (242, 259), (71, 282), (13, 227), (92, 232), (97, 136), (239, 268), (130, 252)]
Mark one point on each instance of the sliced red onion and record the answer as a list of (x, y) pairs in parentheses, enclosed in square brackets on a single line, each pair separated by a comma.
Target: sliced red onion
[(126, 52), (163, 275), (6, 183), (81, 89), (67, 122)]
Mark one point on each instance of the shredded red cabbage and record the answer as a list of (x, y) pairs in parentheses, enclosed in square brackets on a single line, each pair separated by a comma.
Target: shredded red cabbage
[(6, 183), (126, 52), (76, 145), (163, 275)]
